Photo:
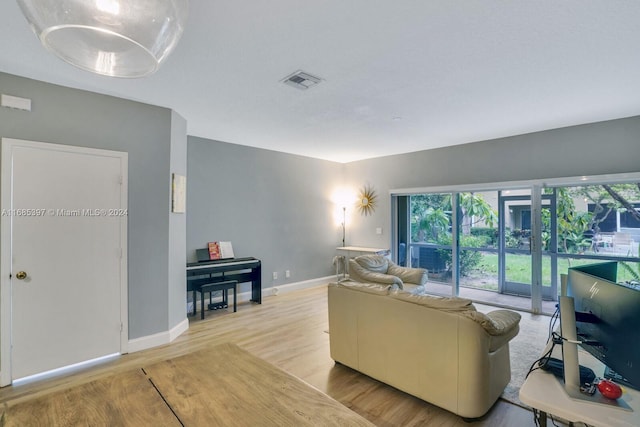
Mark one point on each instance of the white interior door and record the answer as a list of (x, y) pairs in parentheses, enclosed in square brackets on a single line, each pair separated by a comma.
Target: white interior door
[(65, 210)]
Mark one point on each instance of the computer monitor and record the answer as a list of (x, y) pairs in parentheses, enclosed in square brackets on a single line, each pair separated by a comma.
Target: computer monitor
[(607, 317)]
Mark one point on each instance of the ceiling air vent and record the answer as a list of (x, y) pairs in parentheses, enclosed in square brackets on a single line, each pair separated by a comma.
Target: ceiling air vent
[(301, 80)]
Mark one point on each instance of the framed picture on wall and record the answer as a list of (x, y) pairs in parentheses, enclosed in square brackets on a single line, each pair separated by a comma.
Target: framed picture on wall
[(178, 193)]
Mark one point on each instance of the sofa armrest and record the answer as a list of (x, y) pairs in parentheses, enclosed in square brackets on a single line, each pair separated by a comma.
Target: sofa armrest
[(504, 321), (360, 274), (497, 322), (416, 276), (501, 325)]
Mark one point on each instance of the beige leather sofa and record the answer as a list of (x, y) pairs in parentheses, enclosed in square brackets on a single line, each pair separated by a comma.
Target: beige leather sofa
[(380, 269), (440, 350)]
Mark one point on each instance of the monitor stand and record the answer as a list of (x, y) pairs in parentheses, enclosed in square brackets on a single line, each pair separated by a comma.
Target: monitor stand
[(570, 359)]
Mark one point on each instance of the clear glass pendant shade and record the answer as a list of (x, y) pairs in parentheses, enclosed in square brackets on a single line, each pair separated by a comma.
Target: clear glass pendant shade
[(119, 38)]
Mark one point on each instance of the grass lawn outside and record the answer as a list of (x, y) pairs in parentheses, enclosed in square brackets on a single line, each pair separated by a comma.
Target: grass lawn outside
[(518, 269)]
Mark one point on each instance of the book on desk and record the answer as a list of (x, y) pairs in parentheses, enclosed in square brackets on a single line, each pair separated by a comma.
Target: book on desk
[(216, 250)]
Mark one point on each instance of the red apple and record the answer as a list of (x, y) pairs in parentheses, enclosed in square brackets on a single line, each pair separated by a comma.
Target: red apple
[(609, 389)]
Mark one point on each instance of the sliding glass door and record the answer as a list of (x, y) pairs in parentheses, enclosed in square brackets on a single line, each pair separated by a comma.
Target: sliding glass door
[(516, 237), (509, 246)]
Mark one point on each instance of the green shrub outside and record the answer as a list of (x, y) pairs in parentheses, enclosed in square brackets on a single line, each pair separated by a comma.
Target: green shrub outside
[(469, 260), (491, 235)]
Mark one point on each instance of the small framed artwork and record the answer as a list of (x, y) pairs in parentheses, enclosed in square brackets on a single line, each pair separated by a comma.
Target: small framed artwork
[(178, 193)]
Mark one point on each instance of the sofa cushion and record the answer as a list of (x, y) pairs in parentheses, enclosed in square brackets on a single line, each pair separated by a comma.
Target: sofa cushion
[(375, 263), (439, 303), (369, 288)]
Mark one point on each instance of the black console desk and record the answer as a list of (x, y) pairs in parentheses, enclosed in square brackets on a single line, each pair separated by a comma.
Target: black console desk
[(239, 269)]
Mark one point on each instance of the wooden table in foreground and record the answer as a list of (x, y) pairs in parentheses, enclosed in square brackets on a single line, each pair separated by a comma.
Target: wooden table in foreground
[(126, 399), (227, 386), (219, 386)]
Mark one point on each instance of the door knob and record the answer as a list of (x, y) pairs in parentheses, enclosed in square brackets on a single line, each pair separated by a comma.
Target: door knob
[(21, 275)]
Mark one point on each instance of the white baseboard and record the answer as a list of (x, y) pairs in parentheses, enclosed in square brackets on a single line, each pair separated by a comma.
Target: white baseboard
[(281, 289), (177, 330), (290, 287), (162, 338)]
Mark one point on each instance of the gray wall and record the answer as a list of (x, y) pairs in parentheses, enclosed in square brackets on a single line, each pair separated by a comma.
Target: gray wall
[(273, 206), (177, 226), (592, 149), (73, 117)]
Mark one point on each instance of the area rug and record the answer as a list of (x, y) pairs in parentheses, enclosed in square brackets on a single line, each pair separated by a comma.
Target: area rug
[(525, 349)]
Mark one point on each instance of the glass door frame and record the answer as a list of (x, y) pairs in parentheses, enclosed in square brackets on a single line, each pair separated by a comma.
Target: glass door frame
[(537, 254), (535, 289), (405, 201)]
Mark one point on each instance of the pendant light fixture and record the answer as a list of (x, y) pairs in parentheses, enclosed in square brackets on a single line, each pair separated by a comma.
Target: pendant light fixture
[(118, 38)]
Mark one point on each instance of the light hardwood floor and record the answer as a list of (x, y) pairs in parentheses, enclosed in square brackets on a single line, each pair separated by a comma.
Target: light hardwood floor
[(289, 331)]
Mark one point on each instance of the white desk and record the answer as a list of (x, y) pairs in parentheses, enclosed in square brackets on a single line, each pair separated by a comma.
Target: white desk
[(351, 251), (543, 391)]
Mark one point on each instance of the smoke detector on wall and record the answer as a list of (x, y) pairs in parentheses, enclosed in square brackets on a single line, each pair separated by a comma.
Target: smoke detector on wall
[(301, 80)]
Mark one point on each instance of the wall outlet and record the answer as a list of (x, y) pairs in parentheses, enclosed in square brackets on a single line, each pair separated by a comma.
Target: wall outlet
[(287, 274), (275, 275), (379, 230)]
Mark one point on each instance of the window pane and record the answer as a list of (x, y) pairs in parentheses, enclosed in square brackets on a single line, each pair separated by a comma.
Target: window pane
[(595, 220), (431, 237), (628, 271), (478, 239), (431, 218)]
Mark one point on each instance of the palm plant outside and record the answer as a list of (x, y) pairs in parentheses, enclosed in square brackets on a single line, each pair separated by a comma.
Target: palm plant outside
[(431, 223)]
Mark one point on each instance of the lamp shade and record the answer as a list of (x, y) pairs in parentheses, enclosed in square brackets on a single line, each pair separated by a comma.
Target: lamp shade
[(119, 38)]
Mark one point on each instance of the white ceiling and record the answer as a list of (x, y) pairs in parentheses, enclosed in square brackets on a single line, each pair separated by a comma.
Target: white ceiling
[(399, 76)]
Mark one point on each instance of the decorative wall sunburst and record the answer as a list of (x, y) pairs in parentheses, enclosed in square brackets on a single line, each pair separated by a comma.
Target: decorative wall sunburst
[(367, 200)]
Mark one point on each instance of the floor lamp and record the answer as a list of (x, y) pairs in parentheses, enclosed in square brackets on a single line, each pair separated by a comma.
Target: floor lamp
[(344, 223)]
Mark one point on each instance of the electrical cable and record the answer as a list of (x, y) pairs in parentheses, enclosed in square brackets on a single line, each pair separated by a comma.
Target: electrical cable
[(552, 322), (541, 361), (553, 421), (556, 339), (536, 417)]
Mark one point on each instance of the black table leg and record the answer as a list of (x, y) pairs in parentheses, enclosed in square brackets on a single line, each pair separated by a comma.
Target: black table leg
[(235, 299), (202, 304)]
